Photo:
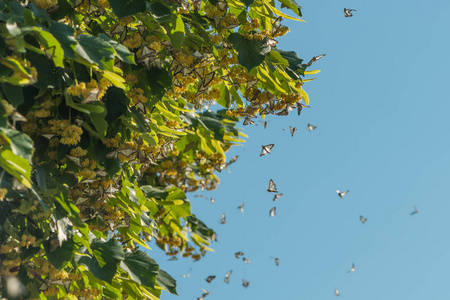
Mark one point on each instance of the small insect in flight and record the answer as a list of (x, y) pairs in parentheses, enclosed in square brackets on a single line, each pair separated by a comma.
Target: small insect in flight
[(415, 211), (241, 207), (233, 159), (277, 196), (227, 276), (347, 12), (205, 293), (293, 130), (362, 219), (245, 283), (342, 194), (272, 212), (352, 269), (311, 127), (336, 292), (247, 261), (314, 59), (248, 121), (212, 200), (187, 274), (266, 149), (210, 278), (300, 107), (272, 187), (223, 219), (238, 254), (277, 261), (264, 123)]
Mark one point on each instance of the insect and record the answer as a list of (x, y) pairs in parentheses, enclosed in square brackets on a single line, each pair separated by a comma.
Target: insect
[(314, 59), (187, 274), (342, 194), (352, 269), (245, 283), (223, 219), (241, 207), (272, 187), (272, 212), (173, 258), (415, 211), (212, 200), (293, 130), (362, 219), (300, 107), (205, 293), (210, 278), (248, 121), (336, 292), (277, 196), (250, 84), (227, 276), (264, 123), (233, 159), (247, 261), (266, 149), (238, 254), (347, 12), (310, 127), (202, 196), (277, 261)]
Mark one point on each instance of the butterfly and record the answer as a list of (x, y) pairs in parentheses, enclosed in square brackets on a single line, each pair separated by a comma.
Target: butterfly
[(311, 127), (205, 293), (241, 207), (227, 276), (247, 261), (202, 196), (272, 212), (173, 258), (272, 187), (238, 254), (362, 219), (336, 292), (245, 283), (233, 159), (342, 194), (248, 121), (300, 107), (264, 123), (250, 84), (352, 269), (276, 26), (187, 274), (223, 219), (347, 12), (277, 261), (314, 59), (415, 211), (277, 196), (212, 200), (293, 130), (210, 278), (266, 149)]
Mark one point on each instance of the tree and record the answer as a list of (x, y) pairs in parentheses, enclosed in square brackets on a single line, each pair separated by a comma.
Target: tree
[(105, 126)]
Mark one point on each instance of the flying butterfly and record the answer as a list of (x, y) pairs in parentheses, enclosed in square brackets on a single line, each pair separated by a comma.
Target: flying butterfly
[(347, 12), (342, 194), (266, 149), (223, 219), (272, 187), (205, 293), (264, 123), (241, 207), (250, 84), (272, 212), (362, 219), (277, 261), (415, 211), (227, 276), (352, 269), (277, 196), (206, 81), (336, 292), (310, 127), (247, 261), (233, 159), (314, 59), (293, 130), (238, 254), (245, 283), (210, 278), (300, 107), (248, 121), (276, 26)]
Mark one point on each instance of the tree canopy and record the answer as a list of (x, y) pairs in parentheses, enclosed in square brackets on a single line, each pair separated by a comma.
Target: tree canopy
[(111, 112)]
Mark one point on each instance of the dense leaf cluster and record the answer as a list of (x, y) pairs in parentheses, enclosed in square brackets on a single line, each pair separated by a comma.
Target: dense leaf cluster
[(105, 125)]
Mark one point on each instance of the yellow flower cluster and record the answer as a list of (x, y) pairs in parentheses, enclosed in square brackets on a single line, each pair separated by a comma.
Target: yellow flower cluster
[(137, 96), (291, 98), (3, 193), (133, 41), (112, 142), (27, 240), (103, 3), (184, 59), (249, 26), (77, 89), (42, 113), (229, 20), (8, 107), (86, 174), (45, 4), (126, 20), (213, 94), (78, 152), (130, 79), (70, 134)]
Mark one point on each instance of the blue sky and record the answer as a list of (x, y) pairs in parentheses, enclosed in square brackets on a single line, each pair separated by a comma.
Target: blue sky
[(381, 106)]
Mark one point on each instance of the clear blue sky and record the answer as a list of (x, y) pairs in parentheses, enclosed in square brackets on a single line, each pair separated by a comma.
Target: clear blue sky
[(381, 105)]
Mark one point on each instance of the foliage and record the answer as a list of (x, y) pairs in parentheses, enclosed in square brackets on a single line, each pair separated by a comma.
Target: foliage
[(105, 126)]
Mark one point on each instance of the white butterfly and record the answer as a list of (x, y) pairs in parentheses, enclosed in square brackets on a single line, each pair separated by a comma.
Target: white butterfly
[(241, 207), (314, 59), (415, 211), (277, 196), (336, 292), (223, 219), (272, 212), (210, 278), (352, 269), (245, 283), (247, 261), (293, 130), (238, 254), (362, 219), (272, 187), (347, 12), (311, 127), (266, 149), (227, 276), (342, 194), (277, 261)]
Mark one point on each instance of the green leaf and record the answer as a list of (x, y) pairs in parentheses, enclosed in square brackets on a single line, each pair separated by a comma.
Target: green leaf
[(247, 2), (292, 5), (251, 53), (122, 52), (123, 8), (60, 256), (160, 12), (141, 268), (176, 31), (13, 93), (156, 192), (21, 144), (65, 35), (295, 62), (98, 51), (16, 166), (166, 281), (52, 46), (85, 108), (98, 119)]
